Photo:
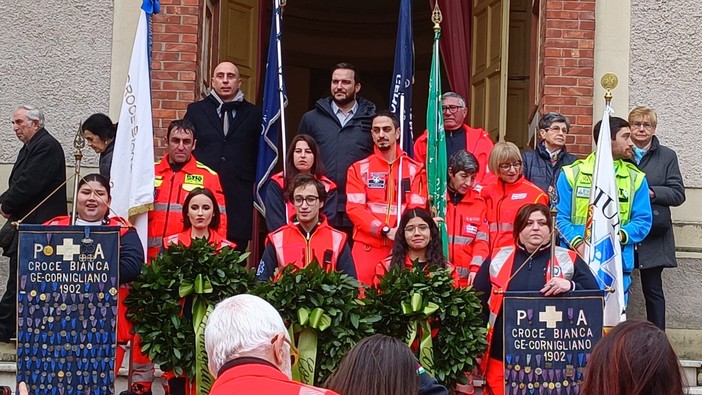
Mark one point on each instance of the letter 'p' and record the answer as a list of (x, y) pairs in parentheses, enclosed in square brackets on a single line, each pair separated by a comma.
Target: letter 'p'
[(521, 314)]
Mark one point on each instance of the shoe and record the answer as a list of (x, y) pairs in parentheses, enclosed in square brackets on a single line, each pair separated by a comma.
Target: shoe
[(137, 389)]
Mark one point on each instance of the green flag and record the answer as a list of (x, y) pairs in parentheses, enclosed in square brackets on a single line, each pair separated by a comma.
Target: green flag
[(436, 145)]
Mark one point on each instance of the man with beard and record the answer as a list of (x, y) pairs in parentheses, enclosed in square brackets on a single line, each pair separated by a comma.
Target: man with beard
[(459, 136), (340, 124), (227, 130), (634, 203), (372, 195)]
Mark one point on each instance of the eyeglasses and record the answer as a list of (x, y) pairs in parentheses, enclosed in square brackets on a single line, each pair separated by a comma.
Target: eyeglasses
[(645, 125), (294, 352), (507, 166), (422, 228), (310, 200), (451, 109), (556, 129)]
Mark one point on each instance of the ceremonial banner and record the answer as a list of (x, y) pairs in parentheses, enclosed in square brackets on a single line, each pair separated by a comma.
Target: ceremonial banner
[(275, 100), (67, 308), (548, 340), (403, 75), (602, 249)]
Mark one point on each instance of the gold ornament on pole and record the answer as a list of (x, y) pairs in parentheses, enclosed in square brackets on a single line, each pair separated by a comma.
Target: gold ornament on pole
[(609, 81), (78, 144), (436, 16)]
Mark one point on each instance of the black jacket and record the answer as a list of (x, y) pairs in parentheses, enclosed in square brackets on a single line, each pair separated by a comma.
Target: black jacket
[(663, 175), (233, 157), (531, 277), (340, 146), (537, 167)]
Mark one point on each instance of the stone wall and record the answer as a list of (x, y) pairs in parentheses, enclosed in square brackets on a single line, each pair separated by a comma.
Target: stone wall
[(56, 55)]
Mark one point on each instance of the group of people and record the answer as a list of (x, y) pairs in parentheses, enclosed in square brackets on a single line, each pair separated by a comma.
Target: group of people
[(353, 201)]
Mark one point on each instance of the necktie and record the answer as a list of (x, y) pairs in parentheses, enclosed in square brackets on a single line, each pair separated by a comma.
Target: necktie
[(226, 113)]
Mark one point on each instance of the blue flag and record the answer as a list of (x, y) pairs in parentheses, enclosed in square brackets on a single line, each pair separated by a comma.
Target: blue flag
[(272, 110), (403, 74)]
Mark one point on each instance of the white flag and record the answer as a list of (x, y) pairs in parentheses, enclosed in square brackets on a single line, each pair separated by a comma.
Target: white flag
[(132, 172), (602, 249)]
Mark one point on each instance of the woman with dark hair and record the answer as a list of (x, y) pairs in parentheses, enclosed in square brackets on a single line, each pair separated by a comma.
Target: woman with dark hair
[(635, 358), (524, 266), (303, 156), (200, 220), (417, 244), (381, 365), (99, 132), (92, 209)]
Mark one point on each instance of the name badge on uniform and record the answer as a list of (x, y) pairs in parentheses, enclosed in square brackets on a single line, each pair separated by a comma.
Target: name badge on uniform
[(582, 192), (196, 179), (519, 196), (471, 229), (377, 180)]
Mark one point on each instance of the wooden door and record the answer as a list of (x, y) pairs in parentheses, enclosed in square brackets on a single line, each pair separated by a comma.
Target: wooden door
[(489, 66), (239, 40)]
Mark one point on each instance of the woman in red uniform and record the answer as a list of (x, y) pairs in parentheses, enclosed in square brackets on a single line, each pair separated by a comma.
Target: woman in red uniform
[(508, 194), (92, 209), (200, 219), (303, 157)]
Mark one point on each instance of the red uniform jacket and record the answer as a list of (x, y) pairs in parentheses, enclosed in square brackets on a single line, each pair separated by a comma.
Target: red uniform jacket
[(478, 143), (468, 235), (384, 266), (253, 376), (503, 203), (185, 239), (171, 190), (371, 194)]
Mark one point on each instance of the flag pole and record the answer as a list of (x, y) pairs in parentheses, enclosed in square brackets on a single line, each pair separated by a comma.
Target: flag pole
[(399, 173), (279, 4), (609, 81), (78, 144)]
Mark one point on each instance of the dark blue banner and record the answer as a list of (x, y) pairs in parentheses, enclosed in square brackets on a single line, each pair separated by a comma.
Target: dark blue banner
[(67, 308), (403, 74), (548, 340)]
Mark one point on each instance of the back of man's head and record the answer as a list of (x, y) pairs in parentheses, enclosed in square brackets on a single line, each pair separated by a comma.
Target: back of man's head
[(241, 326), (615, 123)]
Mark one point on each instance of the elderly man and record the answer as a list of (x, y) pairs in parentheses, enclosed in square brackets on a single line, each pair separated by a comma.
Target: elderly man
[(227, 129), (39, 170), (542, 165), (248, 350), (340, 124), (573, 189), (459, 136)]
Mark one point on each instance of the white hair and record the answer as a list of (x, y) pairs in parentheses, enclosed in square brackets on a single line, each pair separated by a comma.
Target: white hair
[(33, 114), (455, 95), (241, 325)]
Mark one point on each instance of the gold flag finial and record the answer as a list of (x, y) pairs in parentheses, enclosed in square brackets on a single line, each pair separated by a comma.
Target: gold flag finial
[(609, 81), (436, 16)]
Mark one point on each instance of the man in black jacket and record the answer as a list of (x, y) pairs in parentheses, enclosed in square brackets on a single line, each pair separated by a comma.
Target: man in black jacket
[(40, 169), (542, 165), (340, 124), (227, 129)]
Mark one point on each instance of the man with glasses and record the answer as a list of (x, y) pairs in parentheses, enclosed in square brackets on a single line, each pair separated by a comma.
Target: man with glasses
[(309, 237), (249, 352), (459, 136), (542, 165)]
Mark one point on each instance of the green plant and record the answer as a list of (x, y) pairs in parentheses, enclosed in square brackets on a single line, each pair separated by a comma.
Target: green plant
[(458, 335)]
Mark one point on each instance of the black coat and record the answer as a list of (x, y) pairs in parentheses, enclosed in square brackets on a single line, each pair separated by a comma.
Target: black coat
[(340, 146), (233, 157), (537, 167), (39, 169), (663, 175)]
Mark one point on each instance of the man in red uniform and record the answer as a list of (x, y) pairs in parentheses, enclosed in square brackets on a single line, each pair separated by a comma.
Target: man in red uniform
[(372, 195), (466, 218), (176, 175), (459, 136), (309, 237), (249, 352)]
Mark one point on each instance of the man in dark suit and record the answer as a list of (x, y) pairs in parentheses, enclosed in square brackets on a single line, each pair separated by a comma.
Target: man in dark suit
[(227, 129), (40, 169)]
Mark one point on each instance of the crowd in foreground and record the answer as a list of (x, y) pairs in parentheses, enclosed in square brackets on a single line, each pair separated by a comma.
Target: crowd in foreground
[(354, 201)]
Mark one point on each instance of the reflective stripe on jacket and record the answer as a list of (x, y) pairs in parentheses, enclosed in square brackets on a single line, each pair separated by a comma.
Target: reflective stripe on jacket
[(468, 237)]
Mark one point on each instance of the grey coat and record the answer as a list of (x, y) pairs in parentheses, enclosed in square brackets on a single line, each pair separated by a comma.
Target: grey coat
[(663, 174)]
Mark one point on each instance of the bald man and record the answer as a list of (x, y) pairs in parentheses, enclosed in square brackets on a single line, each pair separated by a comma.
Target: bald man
[(227, 129)]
